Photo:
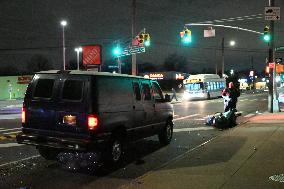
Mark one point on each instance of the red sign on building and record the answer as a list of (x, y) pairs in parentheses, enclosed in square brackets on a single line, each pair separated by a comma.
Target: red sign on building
[(92, 55)]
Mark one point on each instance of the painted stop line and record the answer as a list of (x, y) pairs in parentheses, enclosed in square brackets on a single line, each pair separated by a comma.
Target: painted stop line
[(193, 129)]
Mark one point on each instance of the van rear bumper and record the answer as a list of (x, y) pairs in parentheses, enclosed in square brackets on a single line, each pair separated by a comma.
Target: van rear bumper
[(56, 142)]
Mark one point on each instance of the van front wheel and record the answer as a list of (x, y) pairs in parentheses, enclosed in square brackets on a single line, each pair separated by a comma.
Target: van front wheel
[(166, 134)]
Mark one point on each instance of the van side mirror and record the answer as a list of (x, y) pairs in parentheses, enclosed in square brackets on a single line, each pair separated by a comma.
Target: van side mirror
[(167, 98)]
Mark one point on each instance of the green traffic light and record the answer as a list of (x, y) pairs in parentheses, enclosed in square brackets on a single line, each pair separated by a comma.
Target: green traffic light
[(147, 43), (117, 51), (187, 39), (267, 37)]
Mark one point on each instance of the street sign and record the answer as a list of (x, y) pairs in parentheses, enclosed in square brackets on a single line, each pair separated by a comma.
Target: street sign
[(272, 13), (132, 50), (209, 33), (278, 60), (271, 65)]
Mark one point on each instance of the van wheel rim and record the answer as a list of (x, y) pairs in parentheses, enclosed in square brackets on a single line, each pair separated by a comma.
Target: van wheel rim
[(116, 151), (169, 131)]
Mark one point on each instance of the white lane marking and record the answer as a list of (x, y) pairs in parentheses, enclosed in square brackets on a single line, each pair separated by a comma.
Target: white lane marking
[(200, 119), (12, 133), (185, 117), (193, 129), (7, 145), (10, 116), (249, 115), (10, 129), (20, 160)]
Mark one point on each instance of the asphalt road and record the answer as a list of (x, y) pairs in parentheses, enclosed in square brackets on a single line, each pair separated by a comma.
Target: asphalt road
[(21, 166)]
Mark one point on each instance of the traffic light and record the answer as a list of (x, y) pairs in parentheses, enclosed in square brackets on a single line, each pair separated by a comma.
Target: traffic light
[(186, 36), (117, 50), (141, 38), (144, 39), (266, 35), (147, 40)]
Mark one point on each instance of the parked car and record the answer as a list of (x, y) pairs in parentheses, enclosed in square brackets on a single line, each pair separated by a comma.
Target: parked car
[(86, 111)]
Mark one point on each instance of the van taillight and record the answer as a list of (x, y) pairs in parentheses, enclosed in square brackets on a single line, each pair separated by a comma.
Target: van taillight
[(93, 122), (23, 115)]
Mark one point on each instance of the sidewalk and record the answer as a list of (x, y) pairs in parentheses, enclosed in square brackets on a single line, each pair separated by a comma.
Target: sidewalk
[(248, 156)]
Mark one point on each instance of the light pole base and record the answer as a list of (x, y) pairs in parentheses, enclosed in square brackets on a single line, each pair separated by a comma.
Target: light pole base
[(276, 106)]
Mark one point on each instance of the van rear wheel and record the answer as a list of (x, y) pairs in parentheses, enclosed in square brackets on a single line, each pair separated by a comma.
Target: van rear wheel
[(165, 136), (114, 151), (48, 153)]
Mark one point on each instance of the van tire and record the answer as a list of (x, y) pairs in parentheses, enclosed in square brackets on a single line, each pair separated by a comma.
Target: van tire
[(114, 151), (48, 153), (166, 135)]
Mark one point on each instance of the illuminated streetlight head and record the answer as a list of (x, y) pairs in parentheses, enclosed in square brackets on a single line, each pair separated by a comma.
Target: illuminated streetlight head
[(79, 49), (232, 43), (63, 23)]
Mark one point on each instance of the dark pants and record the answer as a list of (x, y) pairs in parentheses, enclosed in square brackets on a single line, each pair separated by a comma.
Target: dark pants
[(232, 104)]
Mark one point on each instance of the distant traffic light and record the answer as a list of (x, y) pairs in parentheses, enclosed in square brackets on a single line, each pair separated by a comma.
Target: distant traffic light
[(186, 36), (147, 40), (117, 50), (144, 39), (267, 35), (141, 38)]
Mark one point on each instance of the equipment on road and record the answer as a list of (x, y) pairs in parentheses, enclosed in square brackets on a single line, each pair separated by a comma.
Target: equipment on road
[(223, 120)]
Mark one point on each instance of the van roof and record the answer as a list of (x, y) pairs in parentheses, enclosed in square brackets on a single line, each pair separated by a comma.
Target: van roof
[(86, 72)]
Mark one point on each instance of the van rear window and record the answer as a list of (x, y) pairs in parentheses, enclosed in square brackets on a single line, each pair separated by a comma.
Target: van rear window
[(72, 90), (44, 88)]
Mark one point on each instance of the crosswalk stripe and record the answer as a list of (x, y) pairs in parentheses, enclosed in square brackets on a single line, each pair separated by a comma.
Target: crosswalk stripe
[(185, 117), (199, 119), (10, 129), (7, 145), (11, 133), (193, 129)]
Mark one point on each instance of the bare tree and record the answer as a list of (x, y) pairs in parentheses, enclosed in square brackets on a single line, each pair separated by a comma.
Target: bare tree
[(37, 63)]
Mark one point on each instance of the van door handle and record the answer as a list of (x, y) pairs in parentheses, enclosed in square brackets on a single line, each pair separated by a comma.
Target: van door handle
[(133, 107)]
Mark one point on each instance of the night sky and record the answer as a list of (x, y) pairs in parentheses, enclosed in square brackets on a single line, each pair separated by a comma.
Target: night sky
[(33, 27)]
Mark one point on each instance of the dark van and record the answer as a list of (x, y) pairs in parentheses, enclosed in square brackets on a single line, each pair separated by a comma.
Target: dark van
[(86, 111)]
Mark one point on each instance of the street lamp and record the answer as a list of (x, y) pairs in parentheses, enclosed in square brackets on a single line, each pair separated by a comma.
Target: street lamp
[(232, 43), (78, 50), (63, 23)]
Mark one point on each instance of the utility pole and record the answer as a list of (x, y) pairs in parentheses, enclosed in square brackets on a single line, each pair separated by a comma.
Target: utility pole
[(273, 104), (134, 71), (223, 56)]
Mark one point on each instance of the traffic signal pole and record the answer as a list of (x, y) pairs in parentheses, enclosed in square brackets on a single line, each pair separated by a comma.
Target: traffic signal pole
[(273, 104), (134, 69)]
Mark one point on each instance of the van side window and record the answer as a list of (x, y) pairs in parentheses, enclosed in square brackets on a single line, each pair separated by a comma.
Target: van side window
[(44, 88), (136, 90), (157, 93), (146, 92), (72, 90)]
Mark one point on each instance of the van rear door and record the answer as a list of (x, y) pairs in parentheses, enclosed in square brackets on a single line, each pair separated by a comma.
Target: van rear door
[(59, 103)]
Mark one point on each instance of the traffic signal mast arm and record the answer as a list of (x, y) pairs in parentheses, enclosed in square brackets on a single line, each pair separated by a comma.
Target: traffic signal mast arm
[(224, 26)]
